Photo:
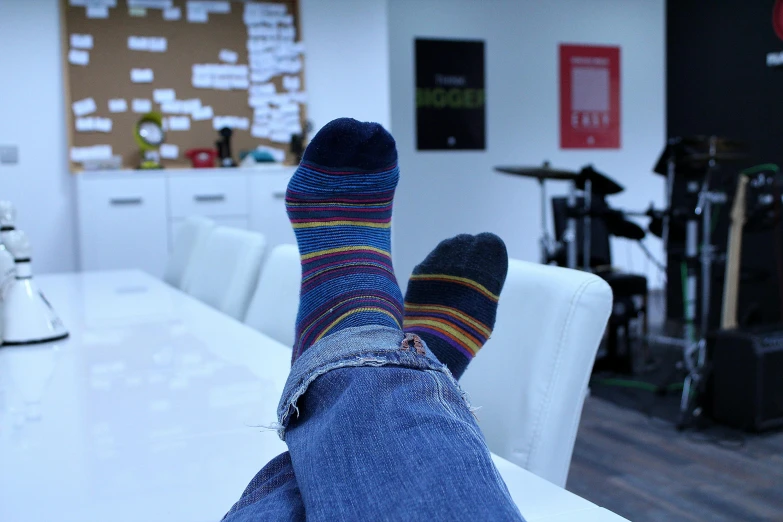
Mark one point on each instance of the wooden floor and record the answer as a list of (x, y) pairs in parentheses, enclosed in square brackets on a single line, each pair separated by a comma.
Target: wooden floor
[(643, 469)]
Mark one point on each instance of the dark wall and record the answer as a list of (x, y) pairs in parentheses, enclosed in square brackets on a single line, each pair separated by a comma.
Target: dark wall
[(717, 78), (718, 83)]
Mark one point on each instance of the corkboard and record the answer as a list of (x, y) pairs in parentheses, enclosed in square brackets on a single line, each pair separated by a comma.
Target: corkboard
[(107, 76)]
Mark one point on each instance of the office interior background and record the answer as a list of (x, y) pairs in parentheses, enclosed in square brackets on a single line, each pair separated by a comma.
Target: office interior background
[(686, 69)]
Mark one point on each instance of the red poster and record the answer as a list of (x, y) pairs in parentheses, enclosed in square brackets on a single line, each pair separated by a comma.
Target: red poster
[(589, 97)]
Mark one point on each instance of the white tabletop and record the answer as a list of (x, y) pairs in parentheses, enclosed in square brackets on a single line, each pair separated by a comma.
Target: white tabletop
[(154, 410)]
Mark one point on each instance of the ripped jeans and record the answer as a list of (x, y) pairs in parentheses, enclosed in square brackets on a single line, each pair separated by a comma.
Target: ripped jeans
[(376, 430)]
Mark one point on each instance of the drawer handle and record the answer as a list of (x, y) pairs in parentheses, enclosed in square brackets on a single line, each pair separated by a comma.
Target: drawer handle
[(279, 195), (209, 198), (125, 201)]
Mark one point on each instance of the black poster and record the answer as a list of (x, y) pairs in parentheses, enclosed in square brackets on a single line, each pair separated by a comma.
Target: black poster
[(450, 96)]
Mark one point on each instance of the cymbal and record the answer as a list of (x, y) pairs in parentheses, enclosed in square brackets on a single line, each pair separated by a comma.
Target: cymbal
[(601, 183), (692, 154), (719, 156), (621, 227), (540, 173)]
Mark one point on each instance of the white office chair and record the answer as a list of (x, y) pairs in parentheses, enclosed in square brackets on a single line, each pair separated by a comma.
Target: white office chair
[(530, 380), (276, 301), (189, 238), (225, 272)]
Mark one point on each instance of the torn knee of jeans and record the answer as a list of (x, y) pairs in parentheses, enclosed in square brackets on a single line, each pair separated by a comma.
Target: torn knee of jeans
[(414, 341)]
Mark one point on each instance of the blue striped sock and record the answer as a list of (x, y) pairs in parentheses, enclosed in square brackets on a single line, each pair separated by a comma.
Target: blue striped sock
[(339, 202)]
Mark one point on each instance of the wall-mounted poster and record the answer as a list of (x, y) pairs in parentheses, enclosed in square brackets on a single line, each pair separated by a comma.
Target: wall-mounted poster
[(450, 96), (589, 97)]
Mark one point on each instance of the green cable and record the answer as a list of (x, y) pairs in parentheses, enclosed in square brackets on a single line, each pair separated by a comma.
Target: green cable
[(760, 168)]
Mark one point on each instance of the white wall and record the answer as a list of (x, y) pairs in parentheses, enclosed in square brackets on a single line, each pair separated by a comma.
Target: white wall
[(346, 60), (32, 117), (445, 193)]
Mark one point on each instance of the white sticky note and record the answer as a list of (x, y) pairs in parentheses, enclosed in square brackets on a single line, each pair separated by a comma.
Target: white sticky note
[(203, 113), (228, 56), (142, 75), (169, 151), (118, 105), (96, 152), (239, 82), (289, 108), (179, 123), (232, 122), (81, 41), (97, 12), (292, 83), (260, 131), (163, 95), (150, 4), (262, 88), (103, 124), (220, 7), (201, 81), (84, 107), (172, 13), (222, 83), (261, 75), (171, 107), (197, 14), (78, 57), (280, 136), (157, 44), (190, 106), (84, 124), (137, 43), (287, 33), (299, 97), (141, 105)]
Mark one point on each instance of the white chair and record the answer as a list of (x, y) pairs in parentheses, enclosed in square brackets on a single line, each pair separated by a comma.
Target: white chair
[(225, 272), (190, 236), (530, 380), (276, 301)]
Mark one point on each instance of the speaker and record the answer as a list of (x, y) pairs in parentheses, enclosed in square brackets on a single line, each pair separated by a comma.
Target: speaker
[(747, 377)]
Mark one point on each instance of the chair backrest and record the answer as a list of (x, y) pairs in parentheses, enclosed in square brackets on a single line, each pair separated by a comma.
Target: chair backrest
[(276, 301), (225, 273), (530, 380), (190, 236)]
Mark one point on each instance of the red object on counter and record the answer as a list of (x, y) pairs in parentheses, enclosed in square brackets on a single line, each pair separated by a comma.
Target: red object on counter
[(202, 158)]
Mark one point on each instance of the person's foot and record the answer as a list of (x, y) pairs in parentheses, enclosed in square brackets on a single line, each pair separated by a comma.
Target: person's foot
[(452, 297), (339, 202)]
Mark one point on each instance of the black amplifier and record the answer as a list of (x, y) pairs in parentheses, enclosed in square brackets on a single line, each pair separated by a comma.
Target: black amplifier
[(747, 377)]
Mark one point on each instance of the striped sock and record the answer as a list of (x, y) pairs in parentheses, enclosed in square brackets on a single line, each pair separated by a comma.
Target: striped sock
[(339, 202), (452, 297)]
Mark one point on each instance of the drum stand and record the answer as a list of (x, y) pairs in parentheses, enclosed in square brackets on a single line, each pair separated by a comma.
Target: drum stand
[(694, 346)]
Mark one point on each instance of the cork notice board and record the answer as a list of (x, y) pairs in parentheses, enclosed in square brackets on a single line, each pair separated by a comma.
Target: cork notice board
[(202, 64)]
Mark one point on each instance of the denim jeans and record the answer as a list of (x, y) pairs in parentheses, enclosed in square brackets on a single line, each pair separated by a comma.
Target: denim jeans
[(375, 431)]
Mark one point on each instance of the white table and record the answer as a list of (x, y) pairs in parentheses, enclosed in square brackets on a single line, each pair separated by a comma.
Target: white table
[(153, 410)]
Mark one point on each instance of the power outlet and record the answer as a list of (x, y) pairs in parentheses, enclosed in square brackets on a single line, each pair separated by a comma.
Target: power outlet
[(9, 154)]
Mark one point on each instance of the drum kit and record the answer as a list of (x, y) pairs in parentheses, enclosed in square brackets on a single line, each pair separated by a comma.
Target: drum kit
[(695, 160)]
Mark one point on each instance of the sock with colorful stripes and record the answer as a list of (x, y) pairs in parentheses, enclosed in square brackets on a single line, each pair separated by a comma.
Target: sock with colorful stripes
[(339, 202), (452, 297)]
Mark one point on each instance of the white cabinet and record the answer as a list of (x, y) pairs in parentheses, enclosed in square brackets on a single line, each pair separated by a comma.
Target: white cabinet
[(267, 208), (127, 219), (122, 222), (209, 195)]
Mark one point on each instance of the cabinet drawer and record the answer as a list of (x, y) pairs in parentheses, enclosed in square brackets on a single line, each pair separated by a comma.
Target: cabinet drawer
[(220, 195), (122, 224)]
